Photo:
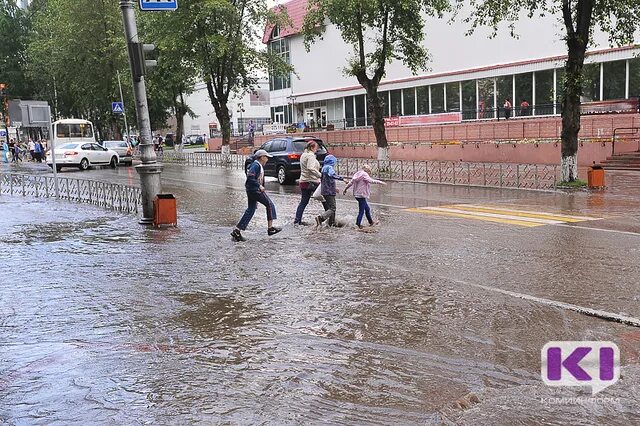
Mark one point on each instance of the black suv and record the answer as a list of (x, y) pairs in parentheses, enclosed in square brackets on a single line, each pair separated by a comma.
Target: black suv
[(286, 151)]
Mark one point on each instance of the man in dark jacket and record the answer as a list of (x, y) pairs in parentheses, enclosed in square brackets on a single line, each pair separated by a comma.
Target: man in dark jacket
[(256, 194)]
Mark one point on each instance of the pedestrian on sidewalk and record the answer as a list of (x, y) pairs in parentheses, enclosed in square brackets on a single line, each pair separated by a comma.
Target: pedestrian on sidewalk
[(361, 183), (256, 193), (329, 191), (309, 178), (5, 151), (16, 152), (39, 150), (32, 150)]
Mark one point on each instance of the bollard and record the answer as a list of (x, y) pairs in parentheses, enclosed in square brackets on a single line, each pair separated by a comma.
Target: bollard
[(165, 210), (595, 176)]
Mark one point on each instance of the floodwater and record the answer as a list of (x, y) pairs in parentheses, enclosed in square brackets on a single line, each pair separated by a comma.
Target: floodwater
[(105, 322)]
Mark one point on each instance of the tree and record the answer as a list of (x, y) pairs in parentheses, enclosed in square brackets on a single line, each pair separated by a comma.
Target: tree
[(14, 27), (617, 18), (75, 49), (174, 76), (379, 31), (220, 39)]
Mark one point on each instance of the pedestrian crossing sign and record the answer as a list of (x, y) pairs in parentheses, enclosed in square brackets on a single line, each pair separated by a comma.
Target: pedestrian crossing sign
[(117, 107), (158, 4)]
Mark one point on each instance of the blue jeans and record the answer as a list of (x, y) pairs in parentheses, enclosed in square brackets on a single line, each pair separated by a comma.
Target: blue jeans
[(254, 198), (364, 209), (304, 201)]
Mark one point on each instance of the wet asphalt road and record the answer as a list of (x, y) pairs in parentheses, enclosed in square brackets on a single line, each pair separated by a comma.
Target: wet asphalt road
[(106, 322)]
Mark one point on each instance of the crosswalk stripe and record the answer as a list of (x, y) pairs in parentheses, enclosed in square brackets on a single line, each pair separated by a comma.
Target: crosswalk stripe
[(501, 215), (471, 216), (558, 216)]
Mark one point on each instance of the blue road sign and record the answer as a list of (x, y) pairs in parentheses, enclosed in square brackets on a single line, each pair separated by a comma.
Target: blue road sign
[(158, 4), (3, 133), (117, 107)]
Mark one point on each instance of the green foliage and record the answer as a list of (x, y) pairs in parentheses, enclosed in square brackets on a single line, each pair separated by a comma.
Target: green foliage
[(75, 49), (14, 27), (378, 30), (220, 39)]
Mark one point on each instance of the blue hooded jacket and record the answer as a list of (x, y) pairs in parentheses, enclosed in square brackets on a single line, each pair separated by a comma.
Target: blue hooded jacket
[(329, 176)]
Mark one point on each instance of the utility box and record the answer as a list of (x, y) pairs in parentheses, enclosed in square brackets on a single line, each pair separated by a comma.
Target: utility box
[(165, 210), (595, 176)]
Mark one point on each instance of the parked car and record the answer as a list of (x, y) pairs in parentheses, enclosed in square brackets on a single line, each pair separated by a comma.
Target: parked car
[(122, 148), (194, 140), (83, 156), (286, 151)]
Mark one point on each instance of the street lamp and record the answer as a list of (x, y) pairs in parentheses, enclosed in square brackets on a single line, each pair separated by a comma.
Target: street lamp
[(241, 123)]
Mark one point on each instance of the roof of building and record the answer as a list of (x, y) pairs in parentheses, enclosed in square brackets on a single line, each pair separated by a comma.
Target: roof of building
[(297, 9)]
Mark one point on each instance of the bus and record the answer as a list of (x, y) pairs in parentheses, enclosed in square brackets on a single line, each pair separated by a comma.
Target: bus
[(73, 130)]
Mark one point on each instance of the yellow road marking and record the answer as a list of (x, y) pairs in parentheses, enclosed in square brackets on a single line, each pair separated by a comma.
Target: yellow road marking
[(484, 218), (507, 216), (512, 212), (521, 213)]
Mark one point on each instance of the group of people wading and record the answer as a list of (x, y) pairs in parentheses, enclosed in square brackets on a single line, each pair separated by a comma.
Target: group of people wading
[(312, 176)]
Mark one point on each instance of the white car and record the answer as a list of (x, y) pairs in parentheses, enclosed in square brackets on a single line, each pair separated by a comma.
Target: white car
[(83, 156)]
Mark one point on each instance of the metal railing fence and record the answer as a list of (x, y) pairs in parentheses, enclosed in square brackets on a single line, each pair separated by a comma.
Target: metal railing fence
[(113, 196), (495, 175)]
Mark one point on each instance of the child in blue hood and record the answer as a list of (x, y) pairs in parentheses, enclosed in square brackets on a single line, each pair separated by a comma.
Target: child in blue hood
[(328, 190)]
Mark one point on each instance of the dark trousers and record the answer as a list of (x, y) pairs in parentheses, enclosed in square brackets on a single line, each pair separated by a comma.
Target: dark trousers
[(304, 201), (329, 209), (364, 209), (253, 199)]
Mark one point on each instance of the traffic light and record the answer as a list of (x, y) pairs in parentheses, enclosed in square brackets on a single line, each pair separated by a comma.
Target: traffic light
[(137, 55)]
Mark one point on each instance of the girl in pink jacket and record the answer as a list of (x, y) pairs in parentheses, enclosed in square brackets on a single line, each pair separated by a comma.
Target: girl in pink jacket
[(361, 183)]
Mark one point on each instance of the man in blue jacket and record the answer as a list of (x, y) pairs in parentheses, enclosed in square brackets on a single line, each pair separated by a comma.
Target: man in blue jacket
[(256, 194)]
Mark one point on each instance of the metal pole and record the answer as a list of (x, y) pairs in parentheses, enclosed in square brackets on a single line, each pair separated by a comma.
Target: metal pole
[(150, 169), (52, 150), (124, 112)]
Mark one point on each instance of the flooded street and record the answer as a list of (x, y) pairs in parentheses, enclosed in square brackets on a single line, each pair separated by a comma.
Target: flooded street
[(417, 321)]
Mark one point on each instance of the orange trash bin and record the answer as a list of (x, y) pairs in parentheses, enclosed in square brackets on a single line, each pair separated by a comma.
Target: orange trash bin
[(595, 176), (165, 210)]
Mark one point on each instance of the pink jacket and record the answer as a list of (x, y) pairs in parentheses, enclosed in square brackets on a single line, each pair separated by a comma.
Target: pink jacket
[(361, 183)]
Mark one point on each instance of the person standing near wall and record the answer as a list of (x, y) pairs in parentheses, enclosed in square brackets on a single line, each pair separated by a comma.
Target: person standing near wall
[(507, 108)]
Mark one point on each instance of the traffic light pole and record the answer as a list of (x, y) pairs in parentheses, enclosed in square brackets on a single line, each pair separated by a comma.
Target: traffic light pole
[(150, 169)]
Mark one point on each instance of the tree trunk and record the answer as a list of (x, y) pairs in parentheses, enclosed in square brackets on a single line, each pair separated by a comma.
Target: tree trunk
[(571, 111), (376, 112), (225, 127), (180, 113)]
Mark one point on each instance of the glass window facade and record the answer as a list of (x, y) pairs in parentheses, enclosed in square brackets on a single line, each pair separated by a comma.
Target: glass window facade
[(349, 112), (409, 101), (384, 98), (614, 81), (276, 81), (634, 77), (524, 94), (534, 93), (469, 103), (422, 93), (486, 104), (437, 98), (543, 102), (396, 103), (591, 83), (453, 97), (361, 106)]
